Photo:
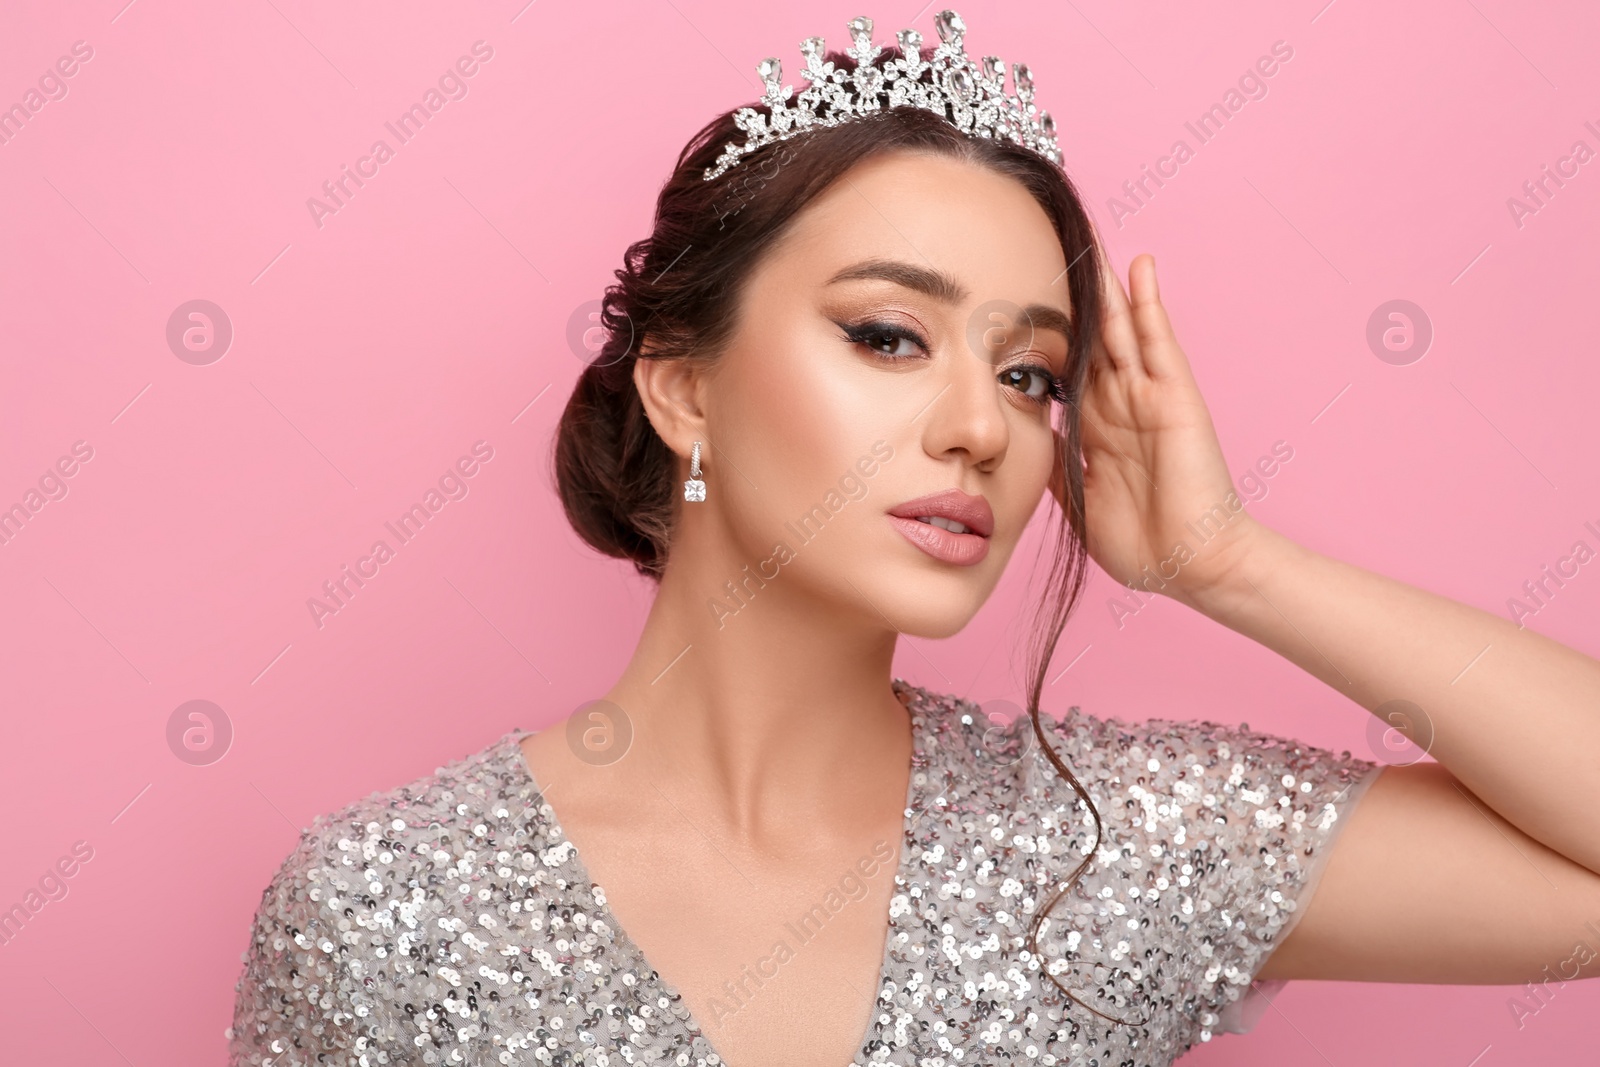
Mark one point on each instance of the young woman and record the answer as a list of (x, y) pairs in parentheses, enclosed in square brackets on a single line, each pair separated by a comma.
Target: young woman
[(840, 375)]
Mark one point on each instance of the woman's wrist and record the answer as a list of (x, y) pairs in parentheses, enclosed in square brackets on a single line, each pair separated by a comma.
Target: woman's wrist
[(1228, 588)]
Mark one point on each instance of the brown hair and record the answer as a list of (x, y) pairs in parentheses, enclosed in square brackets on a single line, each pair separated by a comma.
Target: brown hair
[(680, 288)]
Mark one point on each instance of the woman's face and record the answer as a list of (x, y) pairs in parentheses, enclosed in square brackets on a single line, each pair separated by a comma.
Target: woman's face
[(877, 361)]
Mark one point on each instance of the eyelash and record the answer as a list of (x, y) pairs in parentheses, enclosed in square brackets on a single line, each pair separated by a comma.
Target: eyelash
[(862, 333)]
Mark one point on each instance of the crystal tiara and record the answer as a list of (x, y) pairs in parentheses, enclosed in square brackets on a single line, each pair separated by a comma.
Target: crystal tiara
[(969, 96)]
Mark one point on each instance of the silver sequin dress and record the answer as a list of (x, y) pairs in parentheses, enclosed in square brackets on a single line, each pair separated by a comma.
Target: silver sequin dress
[(450, 921)]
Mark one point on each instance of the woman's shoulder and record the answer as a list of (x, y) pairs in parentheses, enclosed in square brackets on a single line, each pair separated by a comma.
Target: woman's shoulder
[(444, 811), (997, 740), (369, 887), (1210, 838), (404, 842)]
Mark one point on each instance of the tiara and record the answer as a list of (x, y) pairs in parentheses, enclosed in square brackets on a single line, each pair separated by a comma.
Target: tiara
[(969, 96)]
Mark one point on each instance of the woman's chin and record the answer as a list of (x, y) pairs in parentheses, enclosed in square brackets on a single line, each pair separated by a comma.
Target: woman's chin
[(922, 599)]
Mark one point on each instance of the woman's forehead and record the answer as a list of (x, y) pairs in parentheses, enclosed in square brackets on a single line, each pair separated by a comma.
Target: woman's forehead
[(979, 230)]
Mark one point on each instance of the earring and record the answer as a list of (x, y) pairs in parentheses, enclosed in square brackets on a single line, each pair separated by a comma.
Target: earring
[(694, 489)]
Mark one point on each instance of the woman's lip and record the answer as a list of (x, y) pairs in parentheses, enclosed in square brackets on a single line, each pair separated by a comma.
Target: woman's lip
[(973, 512), (943, 545)]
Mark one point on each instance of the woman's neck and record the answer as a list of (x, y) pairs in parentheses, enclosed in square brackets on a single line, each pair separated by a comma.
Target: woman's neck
[(772, 709)]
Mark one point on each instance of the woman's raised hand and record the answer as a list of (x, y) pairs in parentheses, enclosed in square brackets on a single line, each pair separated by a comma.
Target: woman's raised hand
[(1160, 507)]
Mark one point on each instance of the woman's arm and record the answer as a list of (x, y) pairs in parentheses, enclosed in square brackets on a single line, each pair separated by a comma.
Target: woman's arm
[(1513, 715), (1480, 868)]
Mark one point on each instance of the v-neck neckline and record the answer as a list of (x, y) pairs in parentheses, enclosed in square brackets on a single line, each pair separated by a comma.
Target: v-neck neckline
[(916, 781)]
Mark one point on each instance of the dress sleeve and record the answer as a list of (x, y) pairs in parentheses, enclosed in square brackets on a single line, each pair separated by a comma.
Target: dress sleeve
[(1273, 808), (296, 1001), (1244, 822)]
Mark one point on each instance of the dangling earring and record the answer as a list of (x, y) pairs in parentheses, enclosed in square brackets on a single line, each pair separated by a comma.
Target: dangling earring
[(694, 489)]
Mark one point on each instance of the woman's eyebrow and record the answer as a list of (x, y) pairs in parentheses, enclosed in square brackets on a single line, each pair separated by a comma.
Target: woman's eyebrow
[(926, 280), (944, 288), (1046, 317)]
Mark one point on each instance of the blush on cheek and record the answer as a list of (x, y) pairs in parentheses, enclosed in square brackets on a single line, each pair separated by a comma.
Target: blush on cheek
[(779, 447), (806, 413)]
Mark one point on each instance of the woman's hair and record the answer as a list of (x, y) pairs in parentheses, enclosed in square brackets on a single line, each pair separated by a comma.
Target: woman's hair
[(679, 292)]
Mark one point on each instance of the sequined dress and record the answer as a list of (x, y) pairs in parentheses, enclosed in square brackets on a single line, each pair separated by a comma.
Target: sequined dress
[(450, 921)]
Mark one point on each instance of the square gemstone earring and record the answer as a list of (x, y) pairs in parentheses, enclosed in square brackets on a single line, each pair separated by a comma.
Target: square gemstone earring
[(694, 489)]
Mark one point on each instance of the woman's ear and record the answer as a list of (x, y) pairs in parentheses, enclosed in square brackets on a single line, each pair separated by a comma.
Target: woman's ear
[(672, 391)]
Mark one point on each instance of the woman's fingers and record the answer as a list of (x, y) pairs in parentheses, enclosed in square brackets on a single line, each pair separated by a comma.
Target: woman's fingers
[(1158, 346), (1118, 343), (1137, 335)]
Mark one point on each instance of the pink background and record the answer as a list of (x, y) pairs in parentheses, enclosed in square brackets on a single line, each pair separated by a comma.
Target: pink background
[(431, 312)]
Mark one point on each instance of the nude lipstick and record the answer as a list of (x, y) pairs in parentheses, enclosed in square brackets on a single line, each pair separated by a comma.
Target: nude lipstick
[(952, 526)]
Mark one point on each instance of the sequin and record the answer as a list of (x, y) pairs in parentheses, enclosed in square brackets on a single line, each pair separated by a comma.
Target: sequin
[(450, 922)]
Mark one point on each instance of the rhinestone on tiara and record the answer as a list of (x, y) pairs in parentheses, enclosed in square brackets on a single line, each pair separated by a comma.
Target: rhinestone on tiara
[(970, 96)]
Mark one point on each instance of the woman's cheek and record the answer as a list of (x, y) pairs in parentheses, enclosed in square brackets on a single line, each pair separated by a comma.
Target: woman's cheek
[(832, 401), (798, 423), (1030, 475)]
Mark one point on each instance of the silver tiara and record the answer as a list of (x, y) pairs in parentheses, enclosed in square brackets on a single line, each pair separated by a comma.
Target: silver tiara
[(971, 97)]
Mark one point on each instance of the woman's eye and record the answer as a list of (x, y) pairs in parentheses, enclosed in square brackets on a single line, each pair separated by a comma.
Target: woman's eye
[(1033, 382), (886, 340), (892, 342)]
